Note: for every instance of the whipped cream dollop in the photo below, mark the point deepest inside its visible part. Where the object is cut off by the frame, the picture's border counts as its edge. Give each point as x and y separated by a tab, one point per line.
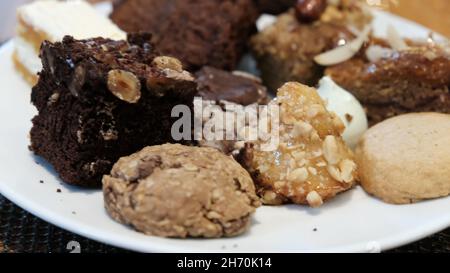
347	107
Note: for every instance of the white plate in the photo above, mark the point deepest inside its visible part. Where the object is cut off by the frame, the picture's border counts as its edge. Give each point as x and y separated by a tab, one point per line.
353	222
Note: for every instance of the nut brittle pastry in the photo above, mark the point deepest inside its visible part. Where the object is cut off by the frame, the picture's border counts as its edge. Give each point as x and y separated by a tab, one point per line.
291	43
312	163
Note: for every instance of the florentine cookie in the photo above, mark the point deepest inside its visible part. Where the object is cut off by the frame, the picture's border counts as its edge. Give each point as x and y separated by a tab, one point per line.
312	163
181	191
406	159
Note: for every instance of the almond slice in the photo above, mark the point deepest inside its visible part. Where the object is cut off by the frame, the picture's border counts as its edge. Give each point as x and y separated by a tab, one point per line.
345	52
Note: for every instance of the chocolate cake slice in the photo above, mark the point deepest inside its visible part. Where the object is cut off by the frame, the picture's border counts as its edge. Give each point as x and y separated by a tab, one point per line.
198	32
237	87
99	100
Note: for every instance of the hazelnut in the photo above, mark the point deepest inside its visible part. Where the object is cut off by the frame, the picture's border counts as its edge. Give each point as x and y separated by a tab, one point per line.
124	85
165	62
308	11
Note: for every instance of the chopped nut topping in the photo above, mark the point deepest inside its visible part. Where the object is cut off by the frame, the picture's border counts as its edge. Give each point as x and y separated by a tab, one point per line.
314	199
124	85
331	150
299	175
311	163
347	168
165	62
301	129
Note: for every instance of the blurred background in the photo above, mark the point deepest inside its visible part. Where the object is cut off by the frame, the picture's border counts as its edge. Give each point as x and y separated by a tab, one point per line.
431	13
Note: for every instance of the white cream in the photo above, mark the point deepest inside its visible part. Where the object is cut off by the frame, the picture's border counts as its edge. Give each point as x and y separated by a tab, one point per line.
76	18
346	106
27	56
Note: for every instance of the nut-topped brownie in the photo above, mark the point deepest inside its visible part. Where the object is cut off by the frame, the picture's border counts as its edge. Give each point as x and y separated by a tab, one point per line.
237	87
198	32
391	82
99	100
313	27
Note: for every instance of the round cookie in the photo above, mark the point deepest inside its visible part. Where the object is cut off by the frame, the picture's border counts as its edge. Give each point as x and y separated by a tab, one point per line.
179	191
407	158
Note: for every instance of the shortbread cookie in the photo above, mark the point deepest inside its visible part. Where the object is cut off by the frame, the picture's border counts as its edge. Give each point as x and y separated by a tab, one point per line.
406	159
180	191
312	163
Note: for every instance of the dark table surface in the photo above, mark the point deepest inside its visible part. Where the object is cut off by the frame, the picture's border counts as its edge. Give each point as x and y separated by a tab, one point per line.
22	232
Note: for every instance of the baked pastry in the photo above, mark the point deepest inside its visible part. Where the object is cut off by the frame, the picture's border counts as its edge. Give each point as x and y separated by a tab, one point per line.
405	159
100	99
237	87
198	32
290	44
311	163
390	82
168	191
51	20
274	6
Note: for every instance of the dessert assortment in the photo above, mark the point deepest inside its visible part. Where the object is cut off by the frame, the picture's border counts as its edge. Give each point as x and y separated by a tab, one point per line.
105	95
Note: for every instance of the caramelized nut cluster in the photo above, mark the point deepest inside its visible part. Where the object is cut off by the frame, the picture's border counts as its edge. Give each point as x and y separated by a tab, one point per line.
312	162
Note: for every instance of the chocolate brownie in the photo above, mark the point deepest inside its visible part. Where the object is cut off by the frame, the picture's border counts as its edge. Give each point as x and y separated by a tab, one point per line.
291	43
238	87
198	32
99	100
416	79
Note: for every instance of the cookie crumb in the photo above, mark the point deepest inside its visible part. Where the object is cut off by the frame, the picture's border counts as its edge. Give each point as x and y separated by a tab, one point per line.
349	118
315	229
58	191
41	181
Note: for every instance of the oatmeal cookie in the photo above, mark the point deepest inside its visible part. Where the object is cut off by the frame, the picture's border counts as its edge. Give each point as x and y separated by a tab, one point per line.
312	163
180	191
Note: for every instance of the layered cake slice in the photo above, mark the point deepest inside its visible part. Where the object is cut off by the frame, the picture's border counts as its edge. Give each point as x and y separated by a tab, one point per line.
99	100
393	77
290	45
51	20
198	32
